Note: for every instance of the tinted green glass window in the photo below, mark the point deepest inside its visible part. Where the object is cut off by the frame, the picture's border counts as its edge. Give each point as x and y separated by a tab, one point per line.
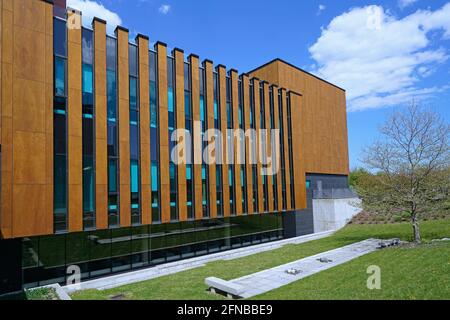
112	95
155	200
112	175
60	77
133	93
59	37
88	184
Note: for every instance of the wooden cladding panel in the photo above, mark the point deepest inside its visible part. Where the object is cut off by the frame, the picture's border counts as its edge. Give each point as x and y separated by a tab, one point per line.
323	117
237	166
101	148
248	146
268	144
258	144
180	120
209	86
222	74
195	99
26	113
276	156
74	126
287	165
7	45
123	98
163	133
144	129
299	169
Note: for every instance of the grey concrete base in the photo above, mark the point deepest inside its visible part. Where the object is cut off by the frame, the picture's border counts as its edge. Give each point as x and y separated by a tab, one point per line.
225	286
333	214
270	279
183	265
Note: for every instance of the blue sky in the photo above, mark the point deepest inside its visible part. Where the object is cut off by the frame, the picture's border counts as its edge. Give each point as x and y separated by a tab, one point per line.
384	53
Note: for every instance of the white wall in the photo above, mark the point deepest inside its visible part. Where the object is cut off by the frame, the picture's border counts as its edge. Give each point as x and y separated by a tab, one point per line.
333	214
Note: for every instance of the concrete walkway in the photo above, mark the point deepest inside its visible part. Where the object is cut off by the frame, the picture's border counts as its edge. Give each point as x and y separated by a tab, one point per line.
183	265
270	279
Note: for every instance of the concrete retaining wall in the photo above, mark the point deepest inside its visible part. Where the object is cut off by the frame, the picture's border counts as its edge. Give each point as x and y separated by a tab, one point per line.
333	214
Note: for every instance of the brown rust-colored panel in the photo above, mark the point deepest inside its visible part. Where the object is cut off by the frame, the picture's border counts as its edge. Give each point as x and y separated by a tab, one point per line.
101	148
74	127
29	54
49	118
268	143
144	129
260	208
163	133
1	44
248	147
237	166
27	219
123	98
29	158
298	166
180	120
5	122
195	99
26	110
323	117
222	74
30	14
209	87
287	165
277	155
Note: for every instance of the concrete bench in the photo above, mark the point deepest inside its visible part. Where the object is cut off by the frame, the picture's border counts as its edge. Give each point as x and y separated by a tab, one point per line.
233	290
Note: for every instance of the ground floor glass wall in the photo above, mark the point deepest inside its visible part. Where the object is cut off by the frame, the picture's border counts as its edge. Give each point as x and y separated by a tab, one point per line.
97	253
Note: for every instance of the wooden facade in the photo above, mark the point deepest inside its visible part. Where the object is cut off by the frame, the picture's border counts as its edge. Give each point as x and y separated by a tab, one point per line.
319	136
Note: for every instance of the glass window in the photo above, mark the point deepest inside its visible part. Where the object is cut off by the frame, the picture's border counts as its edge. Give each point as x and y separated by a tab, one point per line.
231	185
88	79
60	38
112	175
170	93
189	190
204	191
111	53
133	60
88	192
173	192
153	105
60	172
134	181
155	196
133	93
60	77
219	190
255	187
229	107
87	46
112	95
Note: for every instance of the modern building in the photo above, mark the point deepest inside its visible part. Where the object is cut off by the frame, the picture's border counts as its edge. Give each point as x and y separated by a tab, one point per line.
87	177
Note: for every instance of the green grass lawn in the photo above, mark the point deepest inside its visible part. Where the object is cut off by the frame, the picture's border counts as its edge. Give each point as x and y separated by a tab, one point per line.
421	272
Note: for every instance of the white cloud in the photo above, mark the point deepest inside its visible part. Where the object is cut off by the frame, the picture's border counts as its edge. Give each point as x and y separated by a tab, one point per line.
91	9
405	3
378	58
321	8
164	9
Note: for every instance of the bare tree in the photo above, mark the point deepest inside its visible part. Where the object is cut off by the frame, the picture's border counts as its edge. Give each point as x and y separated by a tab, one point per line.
410	164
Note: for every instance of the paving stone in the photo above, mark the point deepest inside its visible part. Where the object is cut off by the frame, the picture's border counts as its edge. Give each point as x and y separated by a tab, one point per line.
267	280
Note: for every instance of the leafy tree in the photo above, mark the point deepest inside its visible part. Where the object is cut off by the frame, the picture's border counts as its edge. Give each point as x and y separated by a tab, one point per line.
410	165
356	176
